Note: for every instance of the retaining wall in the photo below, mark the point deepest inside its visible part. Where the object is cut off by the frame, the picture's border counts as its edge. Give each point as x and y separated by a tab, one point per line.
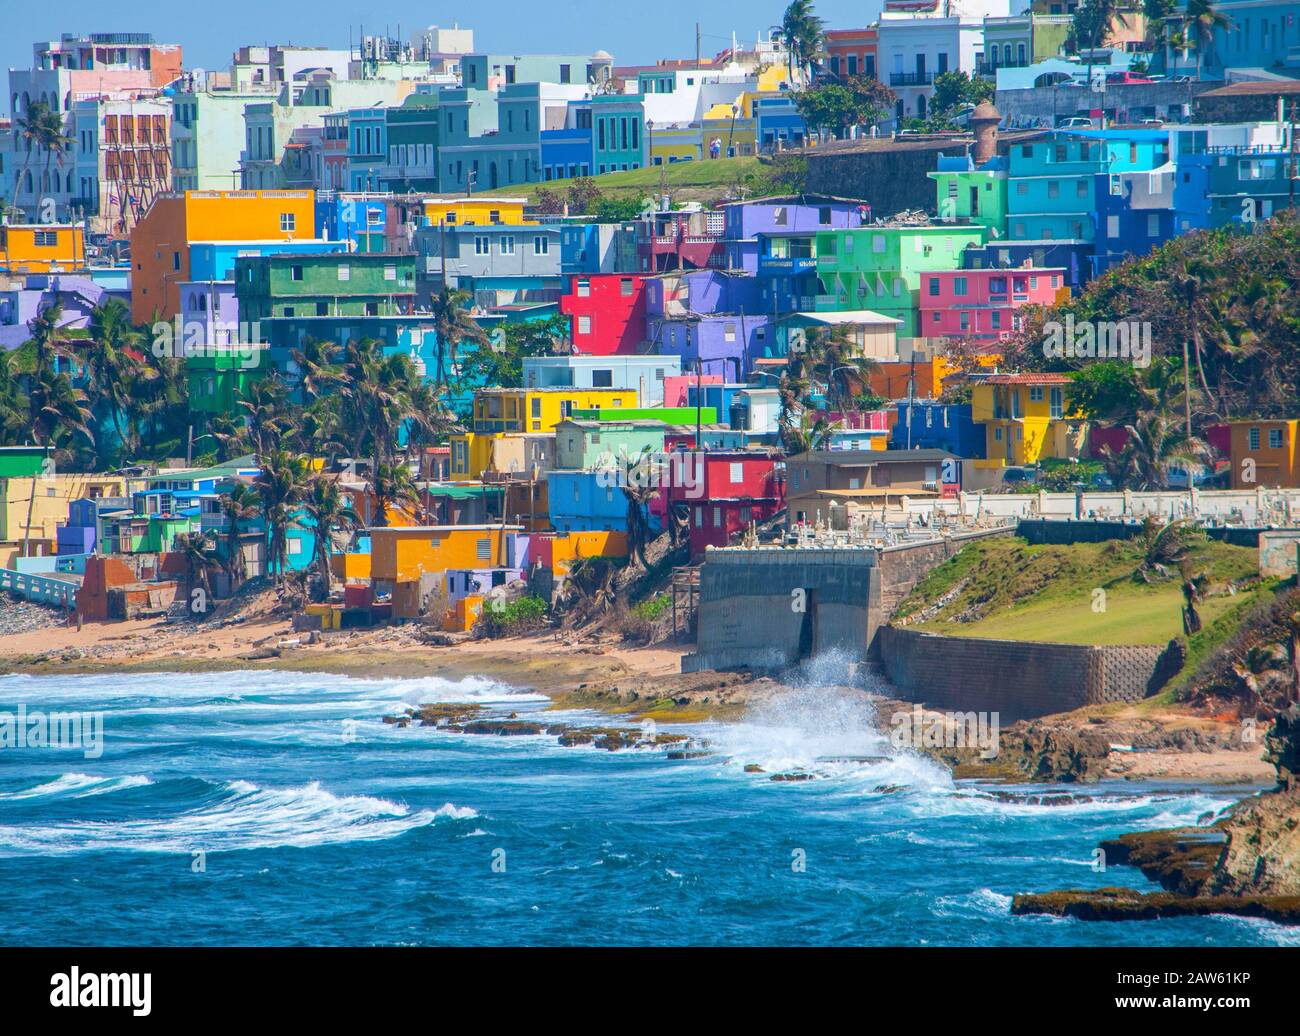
1017	679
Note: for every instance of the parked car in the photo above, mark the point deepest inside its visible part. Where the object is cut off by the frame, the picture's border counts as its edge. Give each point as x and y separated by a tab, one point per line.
1019	475
1124	78
1076	122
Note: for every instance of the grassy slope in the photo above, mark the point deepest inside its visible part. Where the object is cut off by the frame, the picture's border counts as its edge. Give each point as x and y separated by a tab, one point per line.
1010	590
688	181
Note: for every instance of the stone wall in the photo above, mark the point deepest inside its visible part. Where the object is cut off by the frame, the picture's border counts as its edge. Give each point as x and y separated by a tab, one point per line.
1016	679
888	180
906	564
1279	552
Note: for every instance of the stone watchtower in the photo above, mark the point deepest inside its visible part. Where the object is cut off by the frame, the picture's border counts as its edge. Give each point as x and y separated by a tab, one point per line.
984	121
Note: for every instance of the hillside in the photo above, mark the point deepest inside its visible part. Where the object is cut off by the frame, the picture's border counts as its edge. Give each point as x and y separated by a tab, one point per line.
707	182
1007	589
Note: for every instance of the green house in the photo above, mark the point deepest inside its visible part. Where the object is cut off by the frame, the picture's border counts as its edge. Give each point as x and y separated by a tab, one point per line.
21	461
880	268
968	195
217	379
355	284
586	445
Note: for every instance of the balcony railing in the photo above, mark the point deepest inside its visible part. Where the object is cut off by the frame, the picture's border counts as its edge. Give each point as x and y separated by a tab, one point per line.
990	68
911	78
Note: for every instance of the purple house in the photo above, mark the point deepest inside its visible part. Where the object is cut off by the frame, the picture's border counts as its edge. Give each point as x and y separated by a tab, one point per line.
745	220
78	294
708	316
213	306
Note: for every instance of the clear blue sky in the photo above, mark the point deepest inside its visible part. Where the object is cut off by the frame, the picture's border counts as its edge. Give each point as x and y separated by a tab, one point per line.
210	31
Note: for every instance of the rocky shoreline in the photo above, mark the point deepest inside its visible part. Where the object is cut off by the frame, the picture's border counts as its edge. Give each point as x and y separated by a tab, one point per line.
1245	863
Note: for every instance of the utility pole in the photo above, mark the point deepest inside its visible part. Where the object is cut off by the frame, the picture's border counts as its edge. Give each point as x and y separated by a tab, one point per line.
1295	174
697	46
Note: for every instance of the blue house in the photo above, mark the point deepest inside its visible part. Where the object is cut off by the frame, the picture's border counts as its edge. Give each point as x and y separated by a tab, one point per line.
355	219
929	425
791	214
567	153
1135	215
589	501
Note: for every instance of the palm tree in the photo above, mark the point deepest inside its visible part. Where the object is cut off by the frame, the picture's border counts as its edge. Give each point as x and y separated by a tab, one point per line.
1193	593
318	370
454	326
55	409
194	549
329	511
638	497
1164	546
833	359
1203	18
237	506
40	128
1158	443
393	487
280	485
107	363
803	34
263	404
1096	18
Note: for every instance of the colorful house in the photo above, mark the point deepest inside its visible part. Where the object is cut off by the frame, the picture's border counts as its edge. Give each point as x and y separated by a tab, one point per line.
727	491
982	304
1265	453
880	268
590	501
42	247
587	445
160	242
607	313
1026	418
404	554
357	284
929	425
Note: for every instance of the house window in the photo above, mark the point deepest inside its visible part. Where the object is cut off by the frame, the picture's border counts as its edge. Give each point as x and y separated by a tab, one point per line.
507	244
699	517
1057	402
737	473
584	287
47	238
959	285
934	285
584	325
390	273
541	245
1035	393
288	222
482	245
602	379
824	216
717	517
483	550
1275	438
295	273
728	332
345	272
1254	438
625	286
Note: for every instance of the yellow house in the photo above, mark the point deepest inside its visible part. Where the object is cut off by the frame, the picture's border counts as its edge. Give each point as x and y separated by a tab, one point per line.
565	548
42	247
1265	453
541	409
1026	418
405	553
49	506
476	210
676	144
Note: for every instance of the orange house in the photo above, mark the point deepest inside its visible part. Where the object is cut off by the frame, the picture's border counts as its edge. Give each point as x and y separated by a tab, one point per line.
160	242
42	247
1265	453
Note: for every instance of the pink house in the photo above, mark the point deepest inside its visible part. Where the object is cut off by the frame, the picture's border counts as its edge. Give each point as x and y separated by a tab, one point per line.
676	386
982	304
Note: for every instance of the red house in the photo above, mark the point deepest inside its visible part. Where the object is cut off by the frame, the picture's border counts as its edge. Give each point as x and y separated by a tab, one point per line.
982	304
606	313
682	241
723	491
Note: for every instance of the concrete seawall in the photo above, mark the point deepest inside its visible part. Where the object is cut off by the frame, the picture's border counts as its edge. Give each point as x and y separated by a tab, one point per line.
1017	679
751	599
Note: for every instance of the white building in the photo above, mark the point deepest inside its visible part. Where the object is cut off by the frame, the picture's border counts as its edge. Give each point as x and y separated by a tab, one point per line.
644	373
916	41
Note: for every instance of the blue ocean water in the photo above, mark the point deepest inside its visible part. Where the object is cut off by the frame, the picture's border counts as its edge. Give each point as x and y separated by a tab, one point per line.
319	824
